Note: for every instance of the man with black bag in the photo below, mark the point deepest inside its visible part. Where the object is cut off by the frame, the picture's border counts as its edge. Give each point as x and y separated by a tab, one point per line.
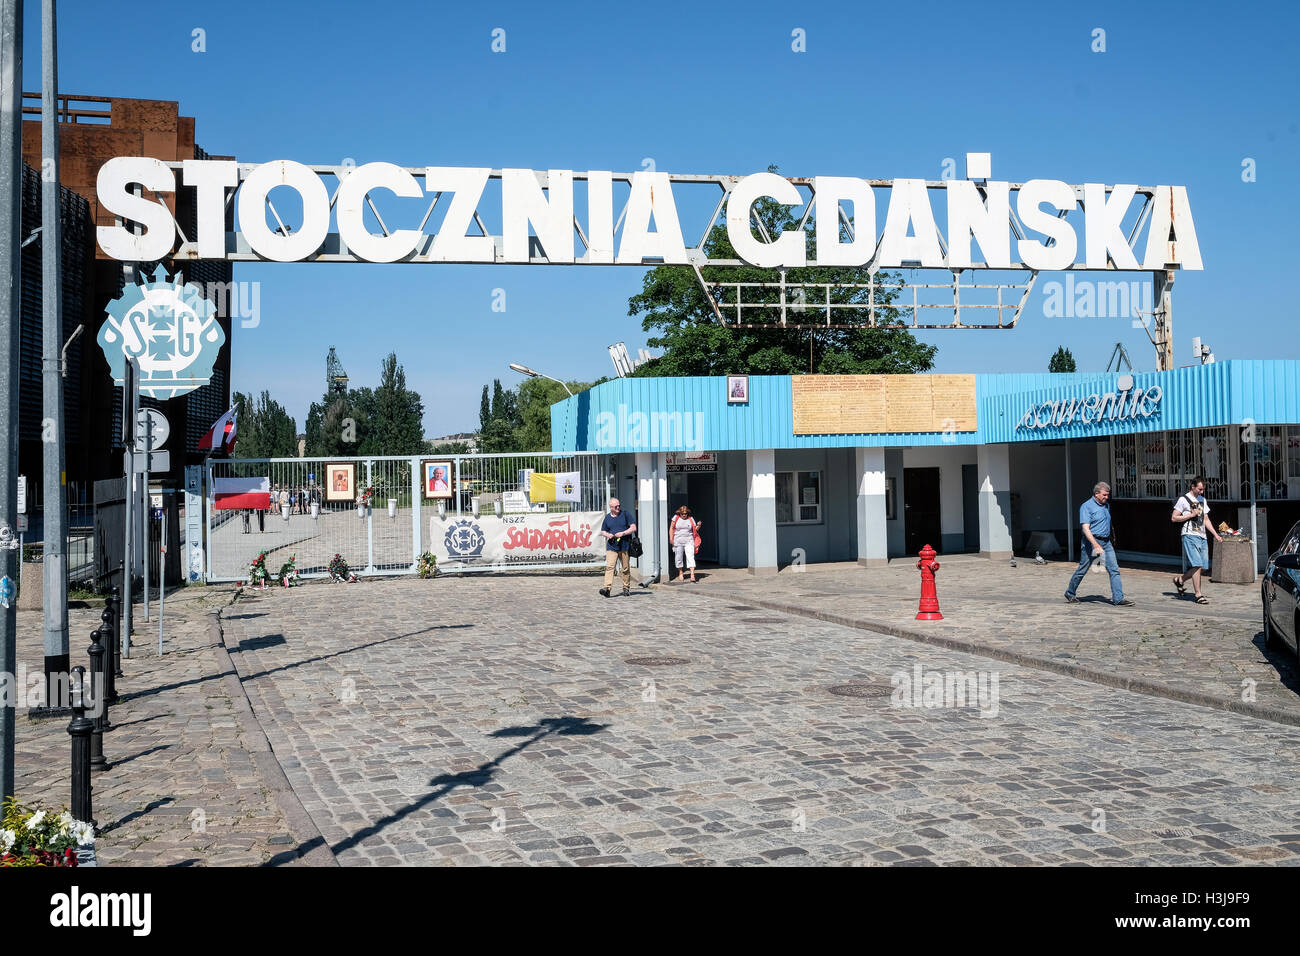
619	532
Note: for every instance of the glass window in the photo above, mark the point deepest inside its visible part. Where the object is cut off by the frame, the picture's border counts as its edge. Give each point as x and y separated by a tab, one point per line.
1293	460
1214	461
798	497
1155	483
784	497
1125	472
810	496
1270	462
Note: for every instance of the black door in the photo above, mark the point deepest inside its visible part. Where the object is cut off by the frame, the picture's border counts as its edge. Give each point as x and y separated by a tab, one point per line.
921	509
704	502
698	490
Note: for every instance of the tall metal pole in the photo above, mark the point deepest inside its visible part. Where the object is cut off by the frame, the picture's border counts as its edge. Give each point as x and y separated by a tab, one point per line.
130	403
1254	524
55	578
162	575
1162	305
145	507
11	186
1069	505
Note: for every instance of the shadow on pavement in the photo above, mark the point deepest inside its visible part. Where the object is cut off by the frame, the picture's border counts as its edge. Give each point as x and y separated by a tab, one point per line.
446	783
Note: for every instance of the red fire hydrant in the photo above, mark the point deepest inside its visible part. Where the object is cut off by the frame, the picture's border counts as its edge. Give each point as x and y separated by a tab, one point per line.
929	609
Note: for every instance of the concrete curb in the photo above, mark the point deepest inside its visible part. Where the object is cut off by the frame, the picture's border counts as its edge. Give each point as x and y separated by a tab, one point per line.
1078	671
302	827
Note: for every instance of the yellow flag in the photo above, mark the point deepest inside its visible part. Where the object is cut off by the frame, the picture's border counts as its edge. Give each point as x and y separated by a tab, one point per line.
541	486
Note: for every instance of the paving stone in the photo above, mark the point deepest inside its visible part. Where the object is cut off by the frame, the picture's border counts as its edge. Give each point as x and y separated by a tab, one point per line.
483	732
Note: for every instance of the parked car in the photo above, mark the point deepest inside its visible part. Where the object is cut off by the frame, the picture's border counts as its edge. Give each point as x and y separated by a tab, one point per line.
1280	592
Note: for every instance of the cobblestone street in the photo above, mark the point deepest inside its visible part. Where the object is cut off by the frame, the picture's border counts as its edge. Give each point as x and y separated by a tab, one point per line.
526	720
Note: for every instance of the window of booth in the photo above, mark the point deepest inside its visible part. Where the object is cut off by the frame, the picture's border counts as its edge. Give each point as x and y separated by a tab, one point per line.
798	497
1276	450
1159	464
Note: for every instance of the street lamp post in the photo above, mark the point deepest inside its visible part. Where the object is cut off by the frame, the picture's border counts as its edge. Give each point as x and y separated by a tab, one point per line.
525	370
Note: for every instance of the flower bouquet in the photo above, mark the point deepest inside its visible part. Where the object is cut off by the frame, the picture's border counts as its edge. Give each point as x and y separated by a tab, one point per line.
339	570
427	566
257	573
289	573
37	838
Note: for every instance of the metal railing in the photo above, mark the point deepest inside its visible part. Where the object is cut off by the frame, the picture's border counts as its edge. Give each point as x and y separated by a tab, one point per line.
313	517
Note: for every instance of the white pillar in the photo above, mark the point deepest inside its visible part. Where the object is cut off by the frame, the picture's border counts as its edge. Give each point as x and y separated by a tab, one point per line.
994	464
873	543
652	514
761	510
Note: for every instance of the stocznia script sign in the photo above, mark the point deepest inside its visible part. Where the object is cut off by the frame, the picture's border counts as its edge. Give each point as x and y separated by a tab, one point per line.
540	222
1124	403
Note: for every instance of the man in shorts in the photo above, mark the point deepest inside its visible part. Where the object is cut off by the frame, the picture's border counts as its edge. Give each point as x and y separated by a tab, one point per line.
1191	511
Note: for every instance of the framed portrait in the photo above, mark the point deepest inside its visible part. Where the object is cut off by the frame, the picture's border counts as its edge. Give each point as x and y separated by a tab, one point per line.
891	505
737	389
341	481
437	478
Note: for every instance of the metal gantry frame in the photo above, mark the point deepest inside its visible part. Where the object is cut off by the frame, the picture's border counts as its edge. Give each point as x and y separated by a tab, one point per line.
779	303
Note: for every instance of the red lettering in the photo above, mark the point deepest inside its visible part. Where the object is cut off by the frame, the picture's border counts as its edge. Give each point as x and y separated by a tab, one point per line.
560	536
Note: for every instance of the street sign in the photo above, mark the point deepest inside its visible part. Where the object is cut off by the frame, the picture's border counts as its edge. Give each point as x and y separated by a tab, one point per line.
152	429
153	461
22	494
22	524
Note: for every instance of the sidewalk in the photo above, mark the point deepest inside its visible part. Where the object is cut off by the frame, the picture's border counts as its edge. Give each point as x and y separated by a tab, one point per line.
1212	655
193	780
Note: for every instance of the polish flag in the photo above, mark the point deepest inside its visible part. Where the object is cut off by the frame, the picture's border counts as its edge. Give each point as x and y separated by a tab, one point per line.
236	493
221	436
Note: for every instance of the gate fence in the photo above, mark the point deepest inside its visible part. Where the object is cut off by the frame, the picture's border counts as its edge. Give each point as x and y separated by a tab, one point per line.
387	538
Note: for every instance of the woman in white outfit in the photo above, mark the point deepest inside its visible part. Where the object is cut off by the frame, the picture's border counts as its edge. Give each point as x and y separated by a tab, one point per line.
685	536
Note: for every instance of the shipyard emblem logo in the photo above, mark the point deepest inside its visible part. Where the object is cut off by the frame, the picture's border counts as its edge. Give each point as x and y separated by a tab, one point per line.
170	329
464	540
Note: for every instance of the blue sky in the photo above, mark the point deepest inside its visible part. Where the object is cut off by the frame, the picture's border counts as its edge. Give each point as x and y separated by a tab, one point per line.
882	91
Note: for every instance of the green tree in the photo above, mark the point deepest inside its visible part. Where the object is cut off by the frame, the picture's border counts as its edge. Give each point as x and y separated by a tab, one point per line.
1062	361
535	398
484	411
447	448
265	429
387	420
394	414
673	304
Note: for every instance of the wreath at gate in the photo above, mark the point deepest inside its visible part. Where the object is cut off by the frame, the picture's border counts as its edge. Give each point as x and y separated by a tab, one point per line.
427	566
257	573
339	570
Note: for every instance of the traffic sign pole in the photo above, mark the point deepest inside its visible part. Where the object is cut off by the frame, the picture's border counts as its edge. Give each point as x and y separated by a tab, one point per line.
130	409
162	575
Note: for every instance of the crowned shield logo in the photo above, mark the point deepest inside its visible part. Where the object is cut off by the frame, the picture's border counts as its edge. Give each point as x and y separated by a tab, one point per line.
170	329
464	540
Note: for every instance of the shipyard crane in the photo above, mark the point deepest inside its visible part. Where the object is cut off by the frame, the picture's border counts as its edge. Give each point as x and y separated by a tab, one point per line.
336	379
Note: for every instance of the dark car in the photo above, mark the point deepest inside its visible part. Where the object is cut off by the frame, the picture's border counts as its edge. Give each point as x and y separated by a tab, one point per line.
1281	594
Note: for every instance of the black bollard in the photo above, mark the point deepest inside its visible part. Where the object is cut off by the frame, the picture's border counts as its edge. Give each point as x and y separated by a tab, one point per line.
80	729
97	697
112	661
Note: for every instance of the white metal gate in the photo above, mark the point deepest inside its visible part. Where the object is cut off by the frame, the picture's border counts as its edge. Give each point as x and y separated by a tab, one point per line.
387	538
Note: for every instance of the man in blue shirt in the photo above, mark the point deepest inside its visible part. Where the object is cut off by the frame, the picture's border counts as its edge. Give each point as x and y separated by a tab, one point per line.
1094	516
617	530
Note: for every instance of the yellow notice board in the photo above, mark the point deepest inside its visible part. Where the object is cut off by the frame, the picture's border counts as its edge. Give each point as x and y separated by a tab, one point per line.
880	404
